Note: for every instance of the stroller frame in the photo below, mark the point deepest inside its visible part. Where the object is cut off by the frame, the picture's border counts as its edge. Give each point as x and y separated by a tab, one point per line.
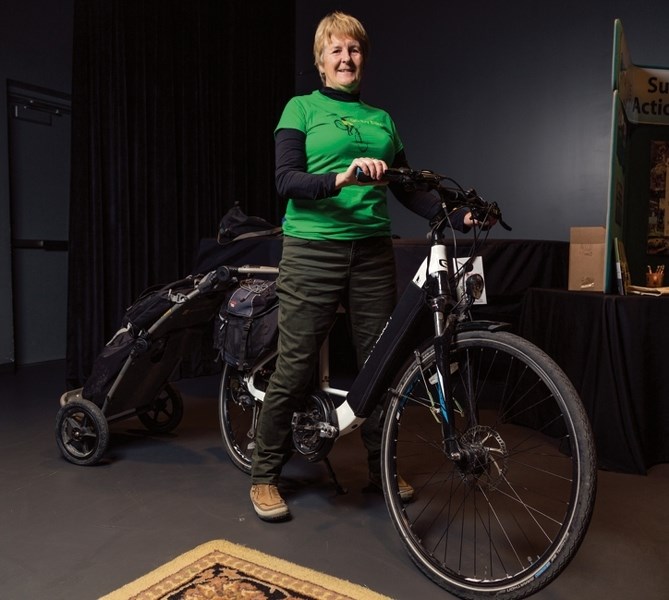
142	386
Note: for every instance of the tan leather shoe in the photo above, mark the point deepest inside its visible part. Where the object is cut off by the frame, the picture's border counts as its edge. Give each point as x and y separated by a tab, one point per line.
268	503
405	489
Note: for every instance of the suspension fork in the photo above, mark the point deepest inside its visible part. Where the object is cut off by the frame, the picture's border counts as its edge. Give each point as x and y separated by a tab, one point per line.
444	329
444	321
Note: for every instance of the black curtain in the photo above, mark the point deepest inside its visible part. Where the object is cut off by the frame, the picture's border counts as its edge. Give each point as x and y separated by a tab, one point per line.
173	111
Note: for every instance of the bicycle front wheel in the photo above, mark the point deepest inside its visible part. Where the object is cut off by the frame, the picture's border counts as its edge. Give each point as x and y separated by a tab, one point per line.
507	517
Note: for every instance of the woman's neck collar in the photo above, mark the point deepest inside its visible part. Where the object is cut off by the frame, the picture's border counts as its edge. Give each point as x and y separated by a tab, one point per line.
340	95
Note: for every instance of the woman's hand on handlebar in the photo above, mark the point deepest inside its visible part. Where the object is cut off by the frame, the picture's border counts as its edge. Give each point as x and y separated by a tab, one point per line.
372	168
470	221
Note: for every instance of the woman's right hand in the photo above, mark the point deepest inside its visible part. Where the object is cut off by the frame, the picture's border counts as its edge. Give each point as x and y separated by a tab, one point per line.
374	168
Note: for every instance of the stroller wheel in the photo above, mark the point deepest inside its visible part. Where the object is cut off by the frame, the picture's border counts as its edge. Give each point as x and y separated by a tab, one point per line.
165	411
82	432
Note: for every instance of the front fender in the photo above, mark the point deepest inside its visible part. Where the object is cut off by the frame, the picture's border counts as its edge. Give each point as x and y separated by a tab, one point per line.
481	326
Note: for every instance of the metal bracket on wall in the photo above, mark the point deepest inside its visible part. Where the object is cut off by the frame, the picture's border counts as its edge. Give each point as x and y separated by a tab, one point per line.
36	104
49	245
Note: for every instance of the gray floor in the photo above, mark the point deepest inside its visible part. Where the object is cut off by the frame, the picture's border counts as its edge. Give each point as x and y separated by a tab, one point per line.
75	532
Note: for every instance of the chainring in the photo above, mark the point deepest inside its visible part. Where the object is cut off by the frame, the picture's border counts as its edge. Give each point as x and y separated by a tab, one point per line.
313	429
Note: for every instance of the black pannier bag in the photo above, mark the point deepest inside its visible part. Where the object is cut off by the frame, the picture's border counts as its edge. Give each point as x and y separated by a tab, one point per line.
248	323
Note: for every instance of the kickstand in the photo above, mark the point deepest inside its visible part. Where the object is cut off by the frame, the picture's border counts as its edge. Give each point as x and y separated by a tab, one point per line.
338	487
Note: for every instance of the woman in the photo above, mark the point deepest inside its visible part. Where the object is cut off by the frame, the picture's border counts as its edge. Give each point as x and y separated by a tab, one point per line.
337	247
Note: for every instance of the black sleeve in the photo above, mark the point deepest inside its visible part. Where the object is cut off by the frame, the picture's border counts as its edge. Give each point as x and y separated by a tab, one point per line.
292	179
425	204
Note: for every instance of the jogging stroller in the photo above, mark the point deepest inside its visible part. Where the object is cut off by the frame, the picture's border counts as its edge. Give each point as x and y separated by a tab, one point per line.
131	376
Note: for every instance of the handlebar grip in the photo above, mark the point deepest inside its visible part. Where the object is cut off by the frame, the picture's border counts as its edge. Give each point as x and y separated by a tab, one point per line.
391	175
362	177
223	274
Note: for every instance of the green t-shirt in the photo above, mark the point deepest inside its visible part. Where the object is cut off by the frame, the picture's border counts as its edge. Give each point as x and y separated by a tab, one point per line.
336	133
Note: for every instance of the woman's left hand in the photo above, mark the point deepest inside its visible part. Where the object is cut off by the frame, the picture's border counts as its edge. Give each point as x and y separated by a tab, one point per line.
470	221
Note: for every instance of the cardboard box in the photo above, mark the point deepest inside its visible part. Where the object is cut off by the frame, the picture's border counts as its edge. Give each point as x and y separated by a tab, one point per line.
587	259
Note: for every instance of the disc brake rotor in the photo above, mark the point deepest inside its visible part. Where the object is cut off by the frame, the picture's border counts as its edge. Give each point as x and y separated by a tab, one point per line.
486	458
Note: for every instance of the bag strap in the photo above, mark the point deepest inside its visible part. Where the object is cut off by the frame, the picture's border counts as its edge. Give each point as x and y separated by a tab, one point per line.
246	329
250	234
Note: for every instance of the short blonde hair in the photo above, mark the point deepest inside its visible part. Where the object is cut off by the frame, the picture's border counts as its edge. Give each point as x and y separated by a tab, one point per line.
339	24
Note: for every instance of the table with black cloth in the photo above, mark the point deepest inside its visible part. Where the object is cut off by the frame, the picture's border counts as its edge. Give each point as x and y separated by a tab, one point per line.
614	349
510	266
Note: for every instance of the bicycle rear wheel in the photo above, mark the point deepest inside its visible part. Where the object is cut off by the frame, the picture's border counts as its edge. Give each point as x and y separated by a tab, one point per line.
508	518
239	401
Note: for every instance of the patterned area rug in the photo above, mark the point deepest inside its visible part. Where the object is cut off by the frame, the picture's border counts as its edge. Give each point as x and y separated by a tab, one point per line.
220	570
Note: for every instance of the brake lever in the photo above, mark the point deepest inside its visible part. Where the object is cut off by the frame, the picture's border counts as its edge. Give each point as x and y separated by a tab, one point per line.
497	213
485	210
504	225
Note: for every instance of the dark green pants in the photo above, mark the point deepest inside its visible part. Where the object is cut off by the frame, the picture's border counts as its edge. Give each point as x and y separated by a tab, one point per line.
315	277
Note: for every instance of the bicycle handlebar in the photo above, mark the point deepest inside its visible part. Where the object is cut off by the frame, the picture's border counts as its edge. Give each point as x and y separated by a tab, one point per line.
226	274
453	196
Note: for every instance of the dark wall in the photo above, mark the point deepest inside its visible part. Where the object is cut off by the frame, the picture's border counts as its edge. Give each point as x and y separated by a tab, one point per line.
35	48
512	98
